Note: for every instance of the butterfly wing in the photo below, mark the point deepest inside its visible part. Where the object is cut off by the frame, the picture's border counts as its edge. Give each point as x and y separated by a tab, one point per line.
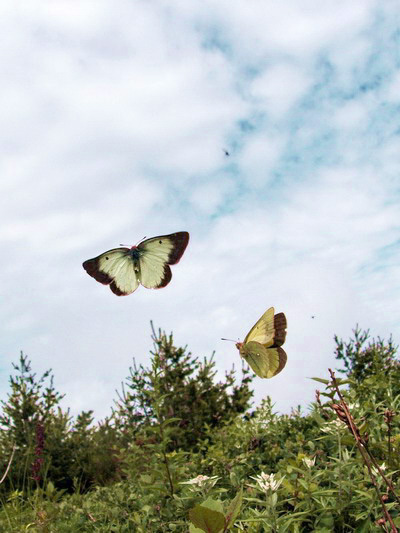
280	325
123	269
263	330
155	256
269	330
115	268
262	346
265	362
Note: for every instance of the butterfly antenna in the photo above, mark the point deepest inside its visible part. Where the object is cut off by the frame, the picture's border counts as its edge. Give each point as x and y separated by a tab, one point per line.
141	240
128	245
231	340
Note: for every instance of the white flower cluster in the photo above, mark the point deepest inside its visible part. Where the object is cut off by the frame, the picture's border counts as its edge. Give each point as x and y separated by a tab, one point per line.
309	462
202	481
267	482
333	426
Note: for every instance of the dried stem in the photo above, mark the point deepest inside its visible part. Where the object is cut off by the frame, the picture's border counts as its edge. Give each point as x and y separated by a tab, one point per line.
8	466
389	415
343	412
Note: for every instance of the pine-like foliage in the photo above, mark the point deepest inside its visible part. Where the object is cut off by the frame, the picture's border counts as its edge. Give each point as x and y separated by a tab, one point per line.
188	390
368	363
44	441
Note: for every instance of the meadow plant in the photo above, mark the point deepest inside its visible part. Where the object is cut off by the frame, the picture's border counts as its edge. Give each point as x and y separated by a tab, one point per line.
208	463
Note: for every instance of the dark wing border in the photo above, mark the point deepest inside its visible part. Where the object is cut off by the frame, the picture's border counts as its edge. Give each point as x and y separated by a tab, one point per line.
92	268
180	240
282	360
280	325
166	279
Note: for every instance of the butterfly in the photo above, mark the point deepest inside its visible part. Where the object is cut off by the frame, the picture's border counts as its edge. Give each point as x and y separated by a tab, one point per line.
261	348
124	269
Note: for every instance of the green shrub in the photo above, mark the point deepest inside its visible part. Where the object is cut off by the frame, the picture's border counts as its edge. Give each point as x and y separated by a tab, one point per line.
238	471
189	392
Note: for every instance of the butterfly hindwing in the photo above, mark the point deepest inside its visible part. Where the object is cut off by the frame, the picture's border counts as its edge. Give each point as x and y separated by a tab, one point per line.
123	269
266	362
256	357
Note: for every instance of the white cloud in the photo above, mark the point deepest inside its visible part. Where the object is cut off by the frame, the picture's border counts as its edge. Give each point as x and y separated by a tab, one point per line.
279	88
351	115
258	158
113	128
393	90
208	197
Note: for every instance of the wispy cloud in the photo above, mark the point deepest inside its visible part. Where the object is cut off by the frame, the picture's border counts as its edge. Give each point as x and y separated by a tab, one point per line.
114	121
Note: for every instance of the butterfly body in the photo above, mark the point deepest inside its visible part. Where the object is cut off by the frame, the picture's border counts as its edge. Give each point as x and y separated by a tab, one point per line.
135	254
261	348
124	269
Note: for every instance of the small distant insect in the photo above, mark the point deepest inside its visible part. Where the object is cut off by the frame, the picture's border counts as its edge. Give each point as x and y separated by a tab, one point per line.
226	152
312	316
123	269
261	348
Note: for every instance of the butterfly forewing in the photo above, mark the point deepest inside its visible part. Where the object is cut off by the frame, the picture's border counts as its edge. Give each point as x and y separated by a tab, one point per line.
263	330
155	256
177	243
280	325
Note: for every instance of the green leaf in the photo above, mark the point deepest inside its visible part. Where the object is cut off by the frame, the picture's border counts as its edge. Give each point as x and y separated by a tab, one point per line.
364	526
171	421
343	381
233	509
206	519
214	505
368	495
194	529
328	394
320	380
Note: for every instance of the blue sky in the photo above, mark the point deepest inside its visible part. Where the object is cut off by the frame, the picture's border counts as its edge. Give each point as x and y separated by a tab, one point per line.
114	121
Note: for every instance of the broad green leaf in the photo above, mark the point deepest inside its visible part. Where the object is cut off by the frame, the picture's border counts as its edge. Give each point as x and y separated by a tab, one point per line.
214	505
234	508
206	519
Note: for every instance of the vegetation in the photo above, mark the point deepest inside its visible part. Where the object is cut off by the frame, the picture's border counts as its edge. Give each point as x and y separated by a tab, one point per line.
182	453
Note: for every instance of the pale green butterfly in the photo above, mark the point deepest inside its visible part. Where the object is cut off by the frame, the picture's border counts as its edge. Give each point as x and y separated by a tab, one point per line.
261	348
123	269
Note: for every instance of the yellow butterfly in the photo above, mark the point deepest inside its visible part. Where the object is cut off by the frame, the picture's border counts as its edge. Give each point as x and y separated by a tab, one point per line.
123	269
261	348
